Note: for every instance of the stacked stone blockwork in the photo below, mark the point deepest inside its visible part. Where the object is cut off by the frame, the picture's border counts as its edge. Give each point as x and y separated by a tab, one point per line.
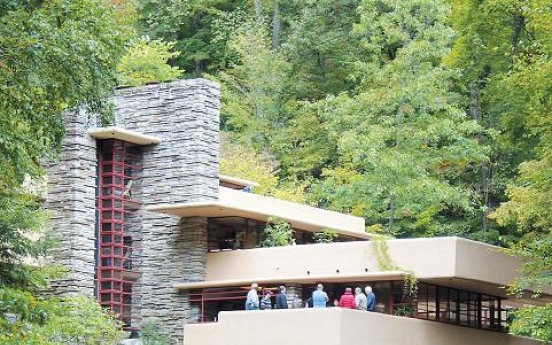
182	168
72	199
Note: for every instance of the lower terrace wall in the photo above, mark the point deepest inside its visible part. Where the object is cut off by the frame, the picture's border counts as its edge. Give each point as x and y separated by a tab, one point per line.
336	326
456	258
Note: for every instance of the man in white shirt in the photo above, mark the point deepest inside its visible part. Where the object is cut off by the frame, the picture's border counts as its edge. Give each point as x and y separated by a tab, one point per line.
252	300
360	299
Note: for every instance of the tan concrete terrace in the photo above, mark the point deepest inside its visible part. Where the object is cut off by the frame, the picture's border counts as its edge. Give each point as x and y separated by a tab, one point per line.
335	326
447	261
233	203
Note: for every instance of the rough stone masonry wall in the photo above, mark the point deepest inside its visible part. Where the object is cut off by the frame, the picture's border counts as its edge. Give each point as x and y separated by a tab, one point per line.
182	168
71	200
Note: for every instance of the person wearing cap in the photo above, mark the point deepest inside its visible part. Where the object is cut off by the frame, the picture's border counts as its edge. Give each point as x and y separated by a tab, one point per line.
281	299
266	301
252	300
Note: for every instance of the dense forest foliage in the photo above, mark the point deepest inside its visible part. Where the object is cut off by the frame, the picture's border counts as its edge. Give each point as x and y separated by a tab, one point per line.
54	56
420	116
425	117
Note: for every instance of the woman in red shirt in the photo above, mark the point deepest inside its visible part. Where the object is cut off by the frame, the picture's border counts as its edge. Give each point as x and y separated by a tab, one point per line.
347	300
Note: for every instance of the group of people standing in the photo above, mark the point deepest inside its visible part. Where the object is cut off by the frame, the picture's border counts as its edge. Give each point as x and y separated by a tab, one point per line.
358	301
318	299
252	301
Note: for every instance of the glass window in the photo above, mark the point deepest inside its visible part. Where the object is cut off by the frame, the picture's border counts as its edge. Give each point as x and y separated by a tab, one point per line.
107	262
423	301
106	215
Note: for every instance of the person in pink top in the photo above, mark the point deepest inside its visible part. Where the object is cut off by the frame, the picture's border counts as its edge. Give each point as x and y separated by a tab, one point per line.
347	300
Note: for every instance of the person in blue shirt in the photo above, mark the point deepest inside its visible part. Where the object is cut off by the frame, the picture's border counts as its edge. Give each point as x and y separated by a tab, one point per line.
319	297
370	299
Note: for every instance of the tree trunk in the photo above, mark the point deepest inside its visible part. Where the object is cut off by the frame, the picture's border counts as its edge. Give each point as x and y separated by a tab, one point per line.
475	109
392	208
198	65
259	10
519	25
276	27
474	104
486	185
198	68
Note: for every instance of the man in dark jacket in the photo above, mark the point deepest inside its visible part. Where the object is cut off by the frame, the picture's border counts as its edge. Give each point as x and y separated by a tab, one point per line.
370	299
281	299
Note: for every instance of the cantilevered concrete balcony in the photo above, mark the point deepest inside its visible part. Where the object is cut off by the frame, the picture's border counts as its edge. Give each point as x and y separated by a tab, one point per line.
335	326
236	183
446	261
124	135
233	203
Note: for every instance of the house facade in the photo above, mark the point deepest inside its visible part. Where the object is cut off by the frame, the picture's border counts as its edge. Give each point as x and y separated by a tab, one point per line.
147	225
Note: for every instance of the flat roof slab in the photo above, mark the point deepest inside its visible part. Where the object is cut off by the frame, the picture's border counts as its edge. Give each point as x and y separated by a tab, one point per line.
123	134
233	203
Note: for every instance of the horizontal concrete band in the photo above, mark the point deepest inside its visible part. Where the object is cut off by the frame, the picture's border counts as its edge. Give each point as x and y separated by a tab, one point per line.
336	326
237	181
306	279
232	203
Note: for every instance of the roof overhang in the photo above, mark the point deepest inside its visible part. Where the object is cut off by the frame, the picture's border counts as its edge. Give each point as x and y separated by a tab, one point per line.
124	135
233	203
238	182
306	279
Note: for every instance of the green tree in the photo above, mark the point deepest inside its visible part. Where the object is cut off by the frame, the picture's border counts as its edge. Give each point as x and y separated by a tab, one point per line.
326	236
254	89
146	61
192	24
55	56
240	161
304	99
525	92
402	137
261	108
492	37
277	233
152	333
20	225
529	209
320	47
28	320
534	322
